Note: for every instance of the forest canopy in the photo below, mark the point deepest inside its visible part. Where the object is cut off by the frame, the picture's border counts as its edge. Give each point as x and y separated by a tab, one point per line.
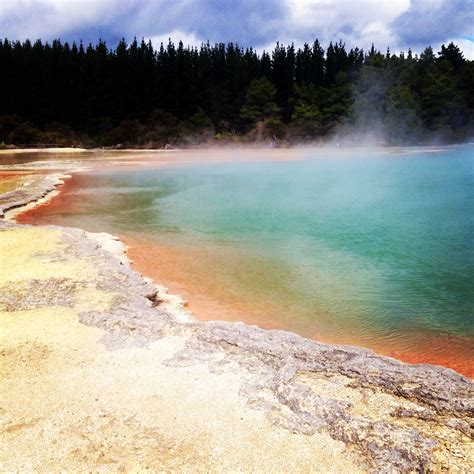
71	94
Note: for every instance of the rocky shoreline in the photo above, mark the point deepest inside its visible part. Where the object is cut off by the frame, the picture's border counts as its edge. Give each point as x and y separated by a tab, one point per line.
32	193
380	414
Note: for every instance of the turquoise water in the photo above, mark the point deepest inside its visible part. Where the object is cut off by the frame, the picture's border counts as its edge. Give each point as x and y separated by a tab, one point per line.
371	245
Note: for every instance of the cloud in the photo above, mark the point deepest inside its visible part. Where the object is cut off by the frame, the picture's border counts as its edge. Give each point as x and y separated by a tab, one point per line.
434	21
259	23
244	21
72	19
188	39
366	20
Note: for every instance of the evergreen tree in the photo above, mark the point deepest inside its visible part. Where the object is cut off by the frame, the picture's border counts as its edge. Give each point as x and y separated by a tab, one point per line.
136	94
317	64
259	101
453	55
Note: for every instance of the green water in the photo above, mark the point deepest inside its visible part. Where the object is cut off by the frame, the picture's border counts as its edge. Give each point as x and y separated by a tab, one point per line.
365	243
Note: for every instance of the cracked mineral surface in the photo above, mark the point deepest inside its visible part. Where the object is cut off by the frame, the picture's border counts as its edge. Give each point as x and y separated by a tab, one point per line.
101	370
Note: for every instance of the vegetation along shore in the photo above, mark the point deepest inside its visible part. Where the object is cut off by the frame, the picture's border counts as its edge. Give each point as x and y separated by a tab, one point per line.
68	94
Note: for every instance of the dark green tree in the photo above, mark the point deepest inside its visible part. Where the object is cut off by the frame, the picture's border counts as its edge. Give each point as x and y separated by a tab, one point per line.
58	91
260	101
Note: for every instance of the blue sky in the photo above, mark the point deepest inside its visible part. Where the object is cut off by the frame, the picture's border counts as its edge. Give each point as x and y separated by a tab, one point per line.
260	23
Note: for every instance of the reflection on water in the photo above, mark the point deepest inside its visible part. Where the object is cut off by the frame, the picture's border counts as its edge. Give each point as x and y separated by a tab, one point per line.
366	248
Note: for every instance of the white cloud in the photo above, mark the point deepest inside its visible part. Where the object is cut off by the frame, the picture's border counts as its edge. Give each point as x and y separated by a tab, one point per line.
357	23
20	19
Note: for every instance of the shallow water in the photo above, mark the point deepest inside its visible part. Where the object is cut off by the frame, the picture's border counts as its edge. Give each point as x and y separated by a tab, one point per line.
364	247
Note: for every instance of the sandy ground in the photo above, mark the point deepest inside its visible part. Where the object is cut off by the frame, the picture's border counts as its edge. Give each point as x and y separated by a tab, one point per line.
9	182
67	402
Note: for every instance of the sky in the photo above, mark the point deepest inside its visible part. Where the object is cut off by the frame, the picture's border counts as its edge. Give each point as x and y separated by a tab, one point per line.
398	24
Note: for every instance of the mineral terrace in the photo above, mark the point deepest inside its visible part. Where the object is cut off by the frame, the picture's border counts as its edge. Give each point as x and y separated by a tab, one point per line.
102	370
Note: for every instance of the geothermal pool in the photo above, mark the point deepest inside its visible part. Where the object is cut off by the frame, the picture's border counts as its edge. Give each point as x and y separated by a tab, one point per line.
366	247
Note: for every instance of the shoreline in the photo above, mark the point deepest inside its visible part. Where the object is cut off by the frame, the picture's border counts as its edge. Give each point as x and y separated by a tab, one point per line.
306	405
6	151
178	272
24	198
177	268
46	190
234	147
49	187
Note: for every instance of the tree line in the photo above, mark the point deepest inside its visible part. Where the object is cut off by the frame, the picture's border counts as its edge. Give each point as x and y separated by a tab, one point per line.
136	95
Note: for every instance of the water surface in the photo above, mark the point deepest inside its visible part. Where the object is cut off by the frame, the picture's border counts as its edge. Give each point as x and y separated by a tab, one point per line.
372	248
